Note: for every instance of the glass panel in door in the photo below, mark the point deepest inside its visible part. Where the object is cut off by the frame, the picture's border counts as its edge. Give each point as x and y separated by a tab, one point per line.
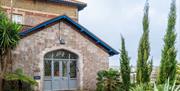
72	74
56	69
56	76
64	69
64	74
72	69
47	74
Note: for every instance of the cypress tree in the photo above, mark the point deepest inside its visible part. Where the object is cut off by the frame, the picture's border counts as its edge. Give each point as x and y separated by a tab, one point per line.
168	56
124	66
144	67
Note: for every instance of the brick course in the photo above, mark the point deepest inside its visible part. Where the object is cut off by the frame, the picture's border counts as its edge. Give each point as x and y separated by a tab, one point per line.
35	13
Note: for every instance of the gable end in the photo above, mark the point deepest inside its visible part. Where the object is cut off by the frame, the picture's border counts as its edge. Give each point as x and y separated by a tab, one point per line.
80	28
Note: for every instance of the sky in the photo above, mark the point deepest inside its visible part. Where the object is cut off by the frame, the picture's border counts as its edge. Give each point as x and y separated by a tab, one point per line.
108	19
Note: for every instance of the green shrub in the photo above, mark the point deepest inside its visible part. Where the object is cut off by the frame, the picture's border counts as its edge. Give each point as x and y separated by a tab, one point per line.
161	87
142	87
108	80
17	81
15	85
167	87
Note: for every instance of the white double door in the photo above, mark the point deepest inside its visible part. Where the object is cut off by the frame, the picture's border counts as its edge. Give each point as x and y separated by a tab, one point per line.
60	75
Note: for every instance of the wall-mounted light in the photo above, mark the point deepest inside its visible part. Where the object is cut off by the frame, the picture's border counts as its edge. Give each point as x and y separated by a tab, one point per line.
61	41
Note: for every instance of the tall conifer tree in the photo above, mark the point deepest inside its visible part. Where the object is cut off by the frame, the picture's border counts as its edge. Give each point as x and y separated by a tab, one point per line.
168	56
144	67
124	66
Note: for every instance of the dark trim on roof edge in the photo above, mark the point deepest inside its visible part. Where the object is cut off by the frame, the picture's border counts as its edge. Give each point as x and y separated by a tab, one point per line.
80	5
81	29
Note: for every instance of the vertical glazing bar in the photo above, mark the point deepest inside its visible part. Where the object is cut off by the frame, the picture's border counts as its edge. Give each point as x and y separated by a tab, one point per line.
52	71
68	65
60	74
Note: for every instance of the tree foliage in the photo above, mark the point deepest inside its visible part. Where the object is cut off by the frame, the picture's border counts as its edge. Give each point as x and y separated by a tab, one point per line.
144	66
124	66
178	73
9	37
168	56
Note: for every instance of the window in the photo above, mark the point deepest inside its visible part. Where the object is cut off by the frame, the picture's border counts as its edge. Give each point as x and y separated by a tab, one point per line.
60	63
17	18
61	54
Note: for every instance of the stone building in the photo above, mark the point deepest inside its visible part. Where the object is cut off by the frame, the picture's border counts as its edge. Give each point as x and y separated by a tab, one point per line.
54	48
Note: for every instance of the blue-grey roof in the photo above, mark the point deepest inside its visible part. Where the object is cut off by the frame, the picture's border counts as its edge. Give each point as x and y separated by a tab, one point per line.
80	28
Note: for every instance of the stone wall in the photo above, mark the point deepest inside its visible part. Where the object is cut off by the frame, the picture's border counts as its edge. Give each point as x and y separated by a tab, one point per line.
29	53
35	13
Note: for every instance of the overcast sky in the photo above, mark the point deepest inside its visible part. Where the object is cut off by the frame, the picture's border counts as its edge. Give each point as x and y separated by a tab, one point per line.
109	18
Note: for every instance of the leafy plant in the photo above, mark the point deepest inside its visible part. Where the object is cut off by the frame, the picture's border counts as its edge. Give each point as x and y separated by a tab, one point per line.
167	87
142	87
139	87
19	75
18	80
161	87
108	80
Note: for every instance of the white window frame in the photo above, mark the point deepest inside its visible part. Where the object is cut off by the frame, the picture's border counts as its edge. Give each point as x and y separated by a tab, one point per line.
18	18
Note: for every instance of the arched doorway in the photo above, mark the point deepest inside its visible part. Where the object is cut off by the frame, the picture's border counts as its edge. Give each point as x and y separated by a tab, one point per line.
60	70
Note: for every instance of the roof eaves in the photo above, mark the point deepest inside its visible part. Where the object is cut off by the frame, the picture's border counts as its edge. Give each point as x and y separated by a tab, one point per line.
109	49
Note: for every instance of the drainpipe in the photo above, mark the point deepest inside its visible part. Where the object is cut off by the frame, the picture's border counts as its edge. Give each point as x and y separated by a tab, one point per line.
11	12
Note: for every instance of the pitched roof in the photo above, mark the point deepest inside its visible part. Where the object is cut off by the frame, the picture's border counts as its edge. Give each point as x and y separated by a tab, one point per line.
80	5
80	29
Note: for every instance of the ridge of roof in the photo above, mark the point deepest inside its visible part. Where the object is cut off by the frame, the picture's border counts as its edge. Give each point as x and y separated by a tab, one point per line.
81	29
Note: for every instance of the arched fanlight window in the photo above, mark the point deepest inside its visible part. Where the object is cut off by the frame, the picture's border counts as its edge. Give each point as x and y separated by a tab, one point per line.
60	54
60	57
